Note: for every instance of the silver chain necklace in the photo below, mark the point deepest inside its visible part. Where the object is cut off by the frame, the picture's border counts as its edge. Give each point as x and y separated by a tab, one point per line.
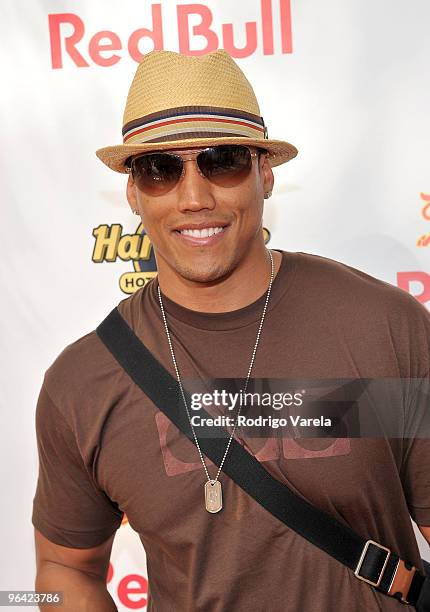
213	491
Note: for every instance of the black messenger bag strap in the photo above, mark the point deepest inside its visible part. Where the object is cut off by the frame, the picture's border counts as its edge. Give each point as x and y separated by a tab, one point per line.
369	560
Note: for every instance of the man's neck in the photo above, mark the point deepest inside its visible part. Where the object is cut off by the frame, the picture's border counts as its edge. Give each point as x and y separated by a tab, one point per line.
243	286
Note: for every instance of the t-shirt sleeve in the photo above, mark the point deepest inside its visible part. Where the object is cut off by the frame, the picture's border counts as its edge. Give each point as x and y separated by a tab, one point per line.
68	507
416	456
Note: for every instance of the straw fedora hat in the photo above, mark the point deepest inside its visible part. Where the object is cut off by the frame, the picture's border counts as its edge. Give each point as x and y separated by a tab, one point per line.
181	101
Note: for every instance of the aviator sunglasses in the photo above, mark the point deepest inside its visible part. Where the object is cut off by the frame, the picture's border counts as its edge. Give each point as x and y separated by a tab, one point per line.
223	165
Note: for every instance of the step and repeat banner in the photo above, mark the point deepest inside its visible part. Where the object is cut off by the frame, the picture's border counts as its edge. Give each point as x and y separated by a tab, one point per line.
346	82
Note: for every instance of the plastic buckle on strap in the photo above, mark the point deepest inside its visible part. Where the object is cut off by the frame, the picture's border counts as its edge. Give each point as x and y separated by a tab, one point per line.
361	560
402	580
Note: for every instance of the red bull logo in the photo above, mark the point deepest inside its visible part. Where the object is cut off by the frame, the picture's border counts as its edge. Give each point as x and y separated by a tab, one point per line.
71	41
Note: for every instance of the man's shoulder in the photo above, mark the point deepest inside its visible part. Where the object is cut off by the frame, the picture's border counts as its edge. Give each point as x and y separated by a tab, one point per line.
370	310
74	367
85	363
335	280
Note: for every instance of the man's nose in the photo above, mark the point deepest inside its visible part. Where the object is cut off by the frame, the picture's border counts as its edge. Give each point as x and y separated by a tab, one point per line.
194	190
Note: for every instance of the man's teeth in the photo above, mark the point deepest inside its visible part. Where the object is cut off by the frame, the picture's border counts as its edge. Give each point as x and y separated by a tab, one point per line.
202	233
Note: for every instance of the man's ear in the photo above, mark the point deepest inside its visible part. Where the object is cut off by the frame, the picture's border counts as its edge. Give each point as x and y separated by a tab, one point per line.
131	193
267	174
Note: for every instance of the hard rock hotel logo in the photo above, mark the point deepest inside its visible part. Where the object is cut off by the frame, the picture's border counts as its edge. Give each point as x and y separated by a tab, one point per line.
111	244
406	279
424	239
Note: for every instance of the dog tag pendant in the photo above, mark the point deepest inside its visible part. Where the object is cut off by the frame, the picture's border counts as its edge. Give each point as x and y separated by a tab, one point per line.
213	496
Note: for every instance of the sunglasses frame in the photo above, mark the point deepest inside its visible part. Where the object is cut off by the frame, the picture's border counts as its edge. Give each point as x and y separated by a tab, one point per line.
191	156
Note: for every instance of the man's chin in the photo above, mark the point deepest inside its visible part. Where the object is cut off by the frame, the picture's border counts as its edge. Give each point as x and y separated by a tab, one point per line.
202	273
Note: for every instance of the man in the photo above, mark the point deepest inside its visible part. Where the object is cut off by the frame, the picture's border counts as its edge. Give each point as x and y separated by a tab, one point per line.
199	162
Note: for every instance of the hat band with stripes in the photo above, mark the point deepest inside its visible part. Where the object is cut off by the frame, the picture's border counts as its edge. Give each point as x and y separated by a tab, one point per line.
194	122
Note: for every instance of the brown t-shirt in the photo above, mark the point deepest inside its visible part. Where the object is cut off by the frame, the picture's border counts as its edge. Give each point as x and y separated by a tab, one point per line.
105	449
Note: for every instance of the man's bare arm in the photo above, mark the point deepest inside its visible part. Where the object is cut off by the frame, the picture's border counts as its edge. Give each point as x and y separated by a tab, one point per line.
425	530
80	573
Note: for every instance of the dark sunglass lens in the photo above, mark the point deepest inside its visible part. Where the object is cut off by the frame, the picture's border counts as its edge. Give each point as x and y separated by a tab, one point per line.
156	173
225	165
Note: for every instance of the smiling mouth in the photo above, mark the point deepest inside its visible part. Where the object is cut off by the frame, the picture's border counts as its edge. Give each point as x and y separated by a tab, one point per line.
206	232
205	235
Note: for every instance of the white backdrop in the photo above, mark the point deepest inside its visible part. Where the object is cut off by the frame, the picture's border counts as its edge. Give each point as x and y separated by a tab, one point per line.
346	82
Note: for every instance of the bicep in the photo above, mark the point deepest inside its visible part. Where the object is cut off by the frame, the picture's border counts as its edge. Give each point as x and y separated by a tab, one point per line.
414	472
425	530
94	560
415	479
69	508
